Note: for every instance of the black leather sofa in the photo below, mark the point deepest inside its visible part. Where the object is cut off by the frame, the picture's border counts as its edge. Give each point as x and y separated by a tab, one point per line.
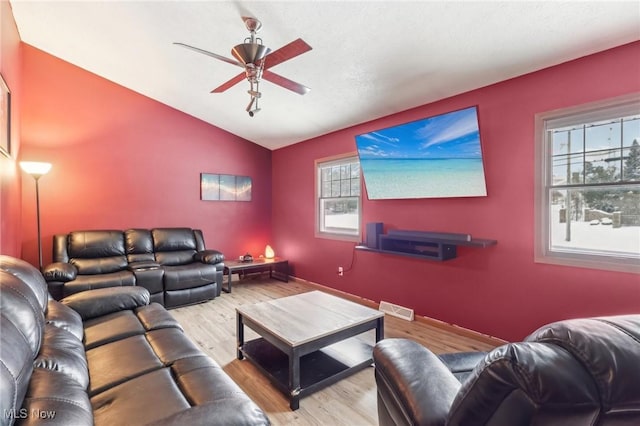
104	357
172	263
571	373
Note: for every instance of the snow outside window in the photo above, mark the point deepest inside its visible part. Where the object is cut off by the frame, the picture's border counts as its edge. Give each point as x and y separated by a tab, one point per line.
588	198
338	198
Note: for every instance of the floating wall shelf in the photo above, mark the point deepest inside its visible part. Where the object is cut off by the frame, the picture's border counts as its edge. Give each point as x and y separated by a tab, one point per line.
423	245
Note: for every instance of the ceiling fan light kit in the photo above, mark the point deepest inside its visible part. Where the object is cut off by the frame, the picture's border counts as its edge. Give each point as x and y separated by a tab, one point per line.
256	59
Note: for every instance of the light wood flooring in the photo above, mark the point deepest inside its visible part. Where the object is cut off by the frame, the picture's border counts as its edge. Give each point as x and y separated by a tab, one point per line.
351	401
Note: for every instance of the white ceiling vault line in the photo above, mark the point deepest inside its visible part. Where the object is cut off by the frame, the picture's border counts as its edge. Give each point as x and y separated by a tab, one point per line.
369	59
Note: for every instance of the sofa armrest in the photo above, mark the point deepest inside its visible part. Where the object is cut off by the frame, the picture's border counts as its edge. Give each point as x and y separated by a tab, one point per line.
60	271
209	256
94	303
414	386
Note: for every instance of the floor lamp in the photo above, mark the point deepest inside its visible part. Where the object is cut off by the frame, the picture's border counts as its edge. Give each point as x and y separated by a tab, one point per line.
37	170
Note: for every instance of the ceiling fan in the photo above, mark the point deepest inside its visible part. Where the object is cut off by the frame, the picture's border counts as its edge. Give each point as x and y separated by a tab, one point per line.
256	59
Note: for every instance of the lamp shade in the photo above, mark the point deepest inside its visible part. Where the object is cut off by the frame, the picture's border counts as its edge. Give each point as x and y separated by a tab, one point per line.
269	253
35	168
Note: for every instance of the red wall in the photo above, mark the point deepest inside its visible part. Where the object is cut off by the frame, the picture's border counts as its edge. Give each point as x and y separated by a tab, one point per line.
10	195
121	160
499	290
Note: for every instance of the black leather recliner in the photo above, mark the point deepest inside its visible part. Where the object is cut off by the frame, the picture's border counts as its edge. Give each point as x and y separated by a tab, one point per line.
172	263
575	372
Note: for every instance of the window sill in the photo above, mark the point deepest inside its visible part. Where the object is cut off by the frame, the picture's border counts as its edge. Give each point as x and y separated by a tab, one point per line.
338	237
628	265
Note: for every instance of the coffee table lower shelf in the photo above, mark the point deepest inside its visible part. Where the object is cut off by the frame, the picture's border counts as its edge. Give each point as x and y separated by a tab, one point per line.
317	369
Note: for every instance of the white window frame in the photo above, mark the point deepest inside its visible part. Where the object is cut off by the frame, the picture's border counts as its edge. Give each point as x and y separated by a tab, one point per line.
602	110
335	233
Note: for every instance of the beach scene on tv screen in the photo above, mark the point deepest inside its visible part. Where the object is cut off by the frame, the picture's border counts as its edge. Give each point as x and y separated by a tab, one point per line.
434	157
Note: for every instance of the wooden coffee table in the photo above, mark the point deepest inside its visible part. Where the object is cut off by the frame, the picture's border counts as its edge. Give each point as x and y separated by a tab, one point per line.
278	268
308	341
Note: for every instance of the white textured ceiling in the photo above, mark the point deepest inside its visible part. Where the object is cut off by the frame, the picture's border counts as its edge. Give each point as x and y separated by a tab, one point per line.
369	59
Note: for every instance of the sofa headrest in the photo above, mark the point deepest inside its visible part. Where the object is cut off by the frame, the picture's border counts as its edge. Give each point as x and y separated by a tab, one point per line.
173	239
95	244
139	245
16	367
20	306
29	275
519	381
607	347
138	241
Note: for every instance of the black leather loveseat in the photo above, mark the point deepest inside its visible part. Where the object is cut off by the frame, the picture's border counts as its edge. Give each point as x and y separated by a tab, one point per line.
571	373
172	263
104	357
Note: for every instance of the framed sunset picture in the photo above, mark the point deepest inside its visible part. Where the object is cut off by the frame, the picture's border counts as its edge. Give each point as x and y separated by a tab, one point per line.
219	187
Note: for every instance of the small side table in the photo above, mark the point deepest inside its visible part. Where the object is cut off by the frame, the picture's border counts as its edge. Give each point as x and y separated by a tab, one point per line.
278	269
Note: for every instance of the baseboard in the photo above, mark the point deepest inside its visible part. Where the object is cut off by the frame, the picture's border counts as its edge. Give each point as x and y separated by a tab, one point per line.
453	328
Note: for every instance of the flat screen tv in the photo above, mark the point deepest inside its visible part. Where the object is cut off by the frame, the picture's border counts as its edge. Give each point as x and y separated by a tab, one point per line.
435	157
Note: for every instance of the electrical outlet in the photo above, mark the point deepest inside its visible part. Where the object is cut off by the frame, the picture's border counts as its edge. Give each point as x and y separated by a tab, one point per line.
340	271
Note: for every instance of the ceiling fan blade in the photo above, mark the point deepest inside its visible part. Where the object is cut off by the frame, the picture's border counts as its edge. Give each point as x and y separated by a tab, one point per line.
286	52
285	82
235	80
213	55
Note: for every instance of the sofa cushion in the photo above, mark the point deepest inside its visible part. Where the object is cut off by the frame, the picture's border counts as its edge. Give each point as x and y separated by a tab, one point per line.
109	328
106	366
173	258
122	324
171	344
195	390
175	298
214	395
62	351
155	316
198	374
95	244
126	401
188	276
97	252
174	246
103	265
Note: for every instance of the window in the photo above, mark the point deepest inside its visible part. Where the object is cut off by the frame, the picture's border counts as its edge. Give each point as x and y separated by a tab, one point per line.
588	198
338	198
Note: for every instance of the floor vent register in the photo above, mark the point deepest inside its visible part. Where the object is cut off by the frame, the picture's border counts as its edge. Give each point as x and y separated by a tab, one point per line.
396	310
